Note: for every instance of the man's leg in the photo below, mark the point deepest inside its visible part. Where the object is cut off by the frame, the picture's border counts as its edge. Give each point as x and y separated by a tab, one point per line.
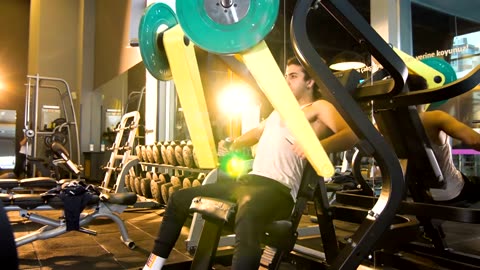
176	214
259	203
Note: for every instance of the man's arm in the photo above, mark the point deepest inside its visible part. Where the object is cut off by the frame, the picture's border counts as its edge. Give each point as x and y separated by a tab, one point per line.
453	128
23	141
343	137
249	138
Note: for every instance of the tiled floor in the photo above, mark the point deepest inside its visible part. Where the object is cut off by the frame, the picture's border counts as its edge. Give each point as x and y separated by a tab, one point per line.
75	250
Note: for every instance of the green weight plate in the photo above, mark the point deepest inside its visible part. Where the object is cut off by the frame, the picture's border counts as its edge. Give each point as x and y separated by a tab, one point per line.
157	18
446	69
226	26
442	66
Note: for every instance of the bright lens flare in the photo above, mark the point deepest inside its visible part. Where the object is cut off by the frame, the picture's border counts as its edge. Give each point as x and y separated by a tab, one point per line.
235	99
235	164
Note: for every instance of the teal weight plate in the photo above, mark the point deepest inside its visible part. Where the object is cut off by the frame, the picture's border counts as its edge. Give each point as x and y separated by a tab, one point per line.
446	69
227	26
443	67
158	18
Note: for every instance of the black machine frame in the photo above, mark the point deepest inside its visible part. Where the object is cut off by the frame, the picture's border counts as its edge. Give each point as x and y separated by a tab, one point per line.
399	122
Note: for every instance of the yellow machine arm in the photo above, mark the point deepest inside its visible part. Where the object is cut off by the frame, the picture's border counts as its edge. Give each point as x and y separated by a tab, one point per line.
184	67
262	65
421	69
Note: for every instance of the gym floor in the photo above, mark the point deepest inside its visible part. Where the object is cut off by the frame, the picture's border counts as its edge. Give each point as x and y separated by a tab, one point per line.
75	250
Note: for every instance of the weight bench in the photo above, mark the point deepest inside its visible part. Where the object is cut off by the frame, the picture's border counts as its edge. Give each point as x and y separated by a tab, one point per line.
28	184
80	204
103	205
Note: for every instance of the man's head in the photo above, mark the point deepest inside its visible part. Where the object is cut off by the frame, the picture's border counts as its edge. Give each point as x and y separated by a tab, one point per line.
416	82
299	80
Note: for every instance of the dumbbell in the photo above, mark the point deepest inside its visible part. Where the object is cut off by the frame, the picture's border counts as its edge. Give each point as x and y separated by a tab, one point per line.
187	154
145	187
179	153
199	180
170	151
137	185
155	187
157	158
127	182
186	182
144	153
163	151
138	152
149	151
165	189
195	159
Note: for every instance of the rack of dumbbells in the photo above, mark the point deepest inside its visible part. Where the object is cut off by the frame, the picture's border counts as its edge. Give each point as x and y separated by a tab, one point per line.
121	161
165	168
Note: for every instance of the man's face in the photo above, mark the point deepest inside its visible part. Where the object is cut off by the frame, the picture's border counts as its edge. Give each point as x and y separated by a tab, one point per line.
296	80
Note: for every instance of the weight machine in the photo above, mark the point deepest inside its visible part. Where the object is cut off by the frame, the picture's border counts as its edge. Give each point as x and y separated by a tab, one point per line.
49	117
171	47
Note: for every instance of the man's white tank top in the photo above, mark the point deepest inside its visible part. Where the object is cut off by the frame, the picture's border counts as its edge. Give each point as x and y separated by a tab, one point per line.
275	157
453	178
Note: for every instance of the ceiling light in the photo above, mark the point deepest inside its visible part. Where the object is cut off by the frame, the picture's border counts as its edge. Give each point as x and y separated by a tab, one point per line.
347	60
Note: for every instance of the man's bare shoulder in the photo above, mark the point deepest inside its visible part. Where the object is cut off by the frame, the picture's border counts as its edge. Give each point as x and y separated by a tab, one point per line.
322	104
435	115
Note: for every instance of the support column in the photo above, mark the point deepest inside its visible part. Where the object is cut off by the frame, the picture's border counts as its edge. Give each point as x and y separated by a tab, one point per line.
392	19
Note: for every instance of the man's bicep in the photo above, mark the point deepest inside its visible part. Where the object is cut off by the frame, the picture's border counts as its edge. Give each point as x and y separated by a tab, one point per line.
332	118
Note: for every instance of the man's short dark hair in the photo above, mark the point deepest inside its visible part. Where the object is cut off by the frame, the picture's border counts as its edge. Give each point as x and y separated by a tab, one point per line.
416	82
294	61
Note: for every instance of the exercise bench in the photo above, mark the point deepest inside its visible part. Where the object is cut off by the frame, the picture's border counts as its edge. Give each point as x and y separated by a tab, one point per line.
81	204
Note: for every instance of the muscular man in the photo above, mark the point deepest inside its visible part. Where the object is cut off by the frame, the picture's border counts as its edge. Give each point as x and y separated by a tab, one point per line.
267	193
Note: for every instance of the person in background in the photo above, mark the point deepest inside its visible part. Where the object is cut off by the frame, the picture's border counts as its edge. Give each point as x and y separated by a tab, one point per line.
267	192
439	127
20	162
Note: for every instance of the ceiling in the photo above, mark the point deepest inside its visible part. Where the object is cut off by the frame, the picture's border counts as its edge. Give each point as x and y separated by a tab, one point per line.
466	9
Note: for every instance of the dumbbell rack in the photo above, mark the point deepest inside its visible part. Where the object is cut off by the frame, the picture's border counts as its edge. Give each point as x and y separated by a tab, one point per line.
121	160
179	171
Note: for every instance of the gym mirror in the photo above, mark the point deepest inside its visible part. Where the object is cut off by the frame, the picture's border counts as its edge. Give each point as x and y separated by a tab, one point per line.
7	138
